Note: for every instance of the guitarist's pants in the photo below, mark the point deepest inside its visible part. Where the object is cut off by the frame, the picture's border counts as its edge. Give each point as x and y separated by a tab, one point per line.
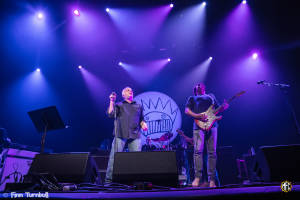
210	137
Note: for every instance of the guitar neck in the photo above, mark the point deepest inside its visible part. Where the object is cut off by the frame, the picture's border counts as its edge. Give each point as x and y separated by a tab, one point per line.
229	100
220	107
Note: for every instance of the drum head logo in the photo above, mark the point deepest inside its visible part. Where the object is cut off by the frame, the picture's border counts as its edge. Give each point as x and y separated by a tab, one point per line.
162	116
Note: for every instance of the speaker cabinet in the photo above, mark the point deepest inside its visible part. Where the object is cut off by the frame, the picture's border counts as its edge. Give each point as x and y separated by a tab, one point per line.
67	167
226	166
159	168
278	163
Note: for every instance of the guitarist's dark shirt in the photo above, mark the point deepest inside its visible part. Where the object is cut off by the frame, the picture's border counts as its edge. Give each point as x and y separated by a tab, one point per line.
128	119
201	103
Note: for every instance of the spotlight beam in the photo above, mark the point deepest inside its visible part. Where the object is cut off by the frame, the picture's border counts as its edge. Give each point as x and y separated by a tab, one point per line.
40	15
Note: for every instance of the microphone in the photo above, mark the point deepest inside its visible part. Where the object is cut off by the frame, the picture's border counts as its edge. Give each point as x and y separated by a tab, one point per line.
260	82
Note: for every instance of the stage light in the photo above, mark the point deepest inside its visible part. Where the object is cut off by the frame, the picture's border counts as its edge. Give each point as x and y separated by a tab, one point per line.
210	58
76	12
171	5
244	2
40	15
120	63
204	3
107	9
254	56
169	59
79	67
38	69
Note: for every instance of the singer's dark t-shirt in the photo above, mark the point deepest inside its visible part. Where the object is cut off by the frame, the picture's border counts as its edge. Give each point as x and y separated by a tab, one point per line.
201	103
128	119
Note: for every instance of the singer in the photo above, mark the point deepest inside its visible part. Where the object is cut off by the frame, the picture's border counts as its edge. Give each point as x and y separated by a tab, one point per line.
129	120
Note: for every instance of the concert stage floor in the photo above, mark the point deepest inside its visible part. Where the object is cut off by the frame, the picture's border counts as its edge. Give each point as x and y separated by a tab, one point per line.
235	192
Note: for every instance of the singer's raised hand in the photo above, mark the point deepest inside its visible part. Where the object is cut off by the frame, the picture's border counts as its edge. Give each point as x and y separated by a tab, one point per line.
113	96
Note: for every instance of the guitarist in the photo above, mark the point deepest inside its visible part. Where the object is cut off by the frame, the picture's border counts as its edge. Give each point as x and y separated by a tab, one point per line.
195	105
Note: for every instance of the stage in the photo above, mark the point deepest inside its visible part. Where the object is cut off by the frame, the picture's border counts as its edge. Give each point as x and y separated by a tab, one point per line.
149	95
229	192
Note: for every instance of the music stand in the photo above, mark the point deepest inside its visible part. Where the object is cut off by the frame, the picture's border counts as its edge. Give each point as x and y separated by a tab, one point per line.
46	119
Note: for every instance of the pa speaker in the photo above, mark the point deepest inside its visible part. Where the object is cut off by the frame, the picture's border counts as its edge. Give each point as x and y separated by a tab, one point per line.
159	168
226	166
67	167
278	163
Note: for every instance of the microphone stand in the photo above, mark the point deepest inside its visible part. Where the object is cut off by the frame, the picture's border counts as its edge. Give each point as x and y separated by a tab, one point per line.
115	128
284	88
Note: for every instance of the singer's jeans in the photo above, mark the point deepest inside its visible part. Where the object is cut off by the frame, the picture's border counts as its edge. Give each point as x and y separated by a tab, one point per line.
210	137
118	145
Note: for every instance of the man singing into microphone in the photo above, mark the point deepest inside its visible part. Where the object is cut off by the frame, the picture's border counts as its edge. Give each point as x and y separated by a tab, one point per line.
129	119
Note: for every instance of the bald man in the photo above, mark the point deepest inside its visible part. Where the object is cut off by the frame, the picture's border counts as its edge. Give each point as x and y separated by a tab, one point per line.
129	120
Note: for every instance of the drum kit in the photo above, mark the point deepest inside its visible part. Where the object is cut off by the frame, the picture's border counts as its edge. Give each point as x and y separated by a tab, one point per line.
163	143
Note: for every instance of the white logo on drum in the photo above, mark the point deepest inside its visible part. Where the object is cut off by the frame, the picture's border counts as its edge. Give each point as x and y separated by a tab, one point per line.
162	115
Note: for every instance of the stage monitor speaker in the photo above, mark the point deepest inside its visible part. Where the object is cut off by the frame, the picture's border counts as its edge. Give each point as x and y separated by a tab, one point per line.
67	167
159	168
278	163
226	166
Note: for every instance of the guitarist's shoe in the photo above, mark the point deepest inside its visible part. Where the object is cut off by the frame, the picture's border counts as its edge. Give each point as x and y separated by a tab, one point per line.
195	182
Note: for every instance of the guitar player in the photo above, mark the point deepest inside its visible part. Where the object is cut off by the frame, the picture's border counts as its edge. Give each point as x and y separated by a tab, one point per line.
195	107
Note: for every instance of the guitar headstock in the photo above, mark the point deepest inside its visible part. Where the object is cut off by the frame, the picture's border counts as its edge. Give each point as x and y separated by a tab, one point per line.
236	95
240	93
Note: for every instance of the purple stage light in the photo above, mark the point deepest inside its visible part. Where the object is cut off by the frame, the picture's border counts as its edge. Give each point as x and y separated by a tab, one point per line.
169	59
96	87
40	15
120	63
79	67
210	58
244	2
107	9
143	72
254	56
76	12
171	5
203	3
38	69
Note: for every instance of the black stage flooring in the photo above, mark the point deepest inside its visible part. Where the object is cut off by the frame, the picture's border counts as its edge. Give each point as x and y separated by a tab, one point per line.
234	192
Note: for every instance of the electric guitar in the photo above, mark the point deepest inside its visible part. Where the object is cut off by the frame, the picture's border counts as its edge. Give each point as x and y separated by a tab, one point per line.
211	114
